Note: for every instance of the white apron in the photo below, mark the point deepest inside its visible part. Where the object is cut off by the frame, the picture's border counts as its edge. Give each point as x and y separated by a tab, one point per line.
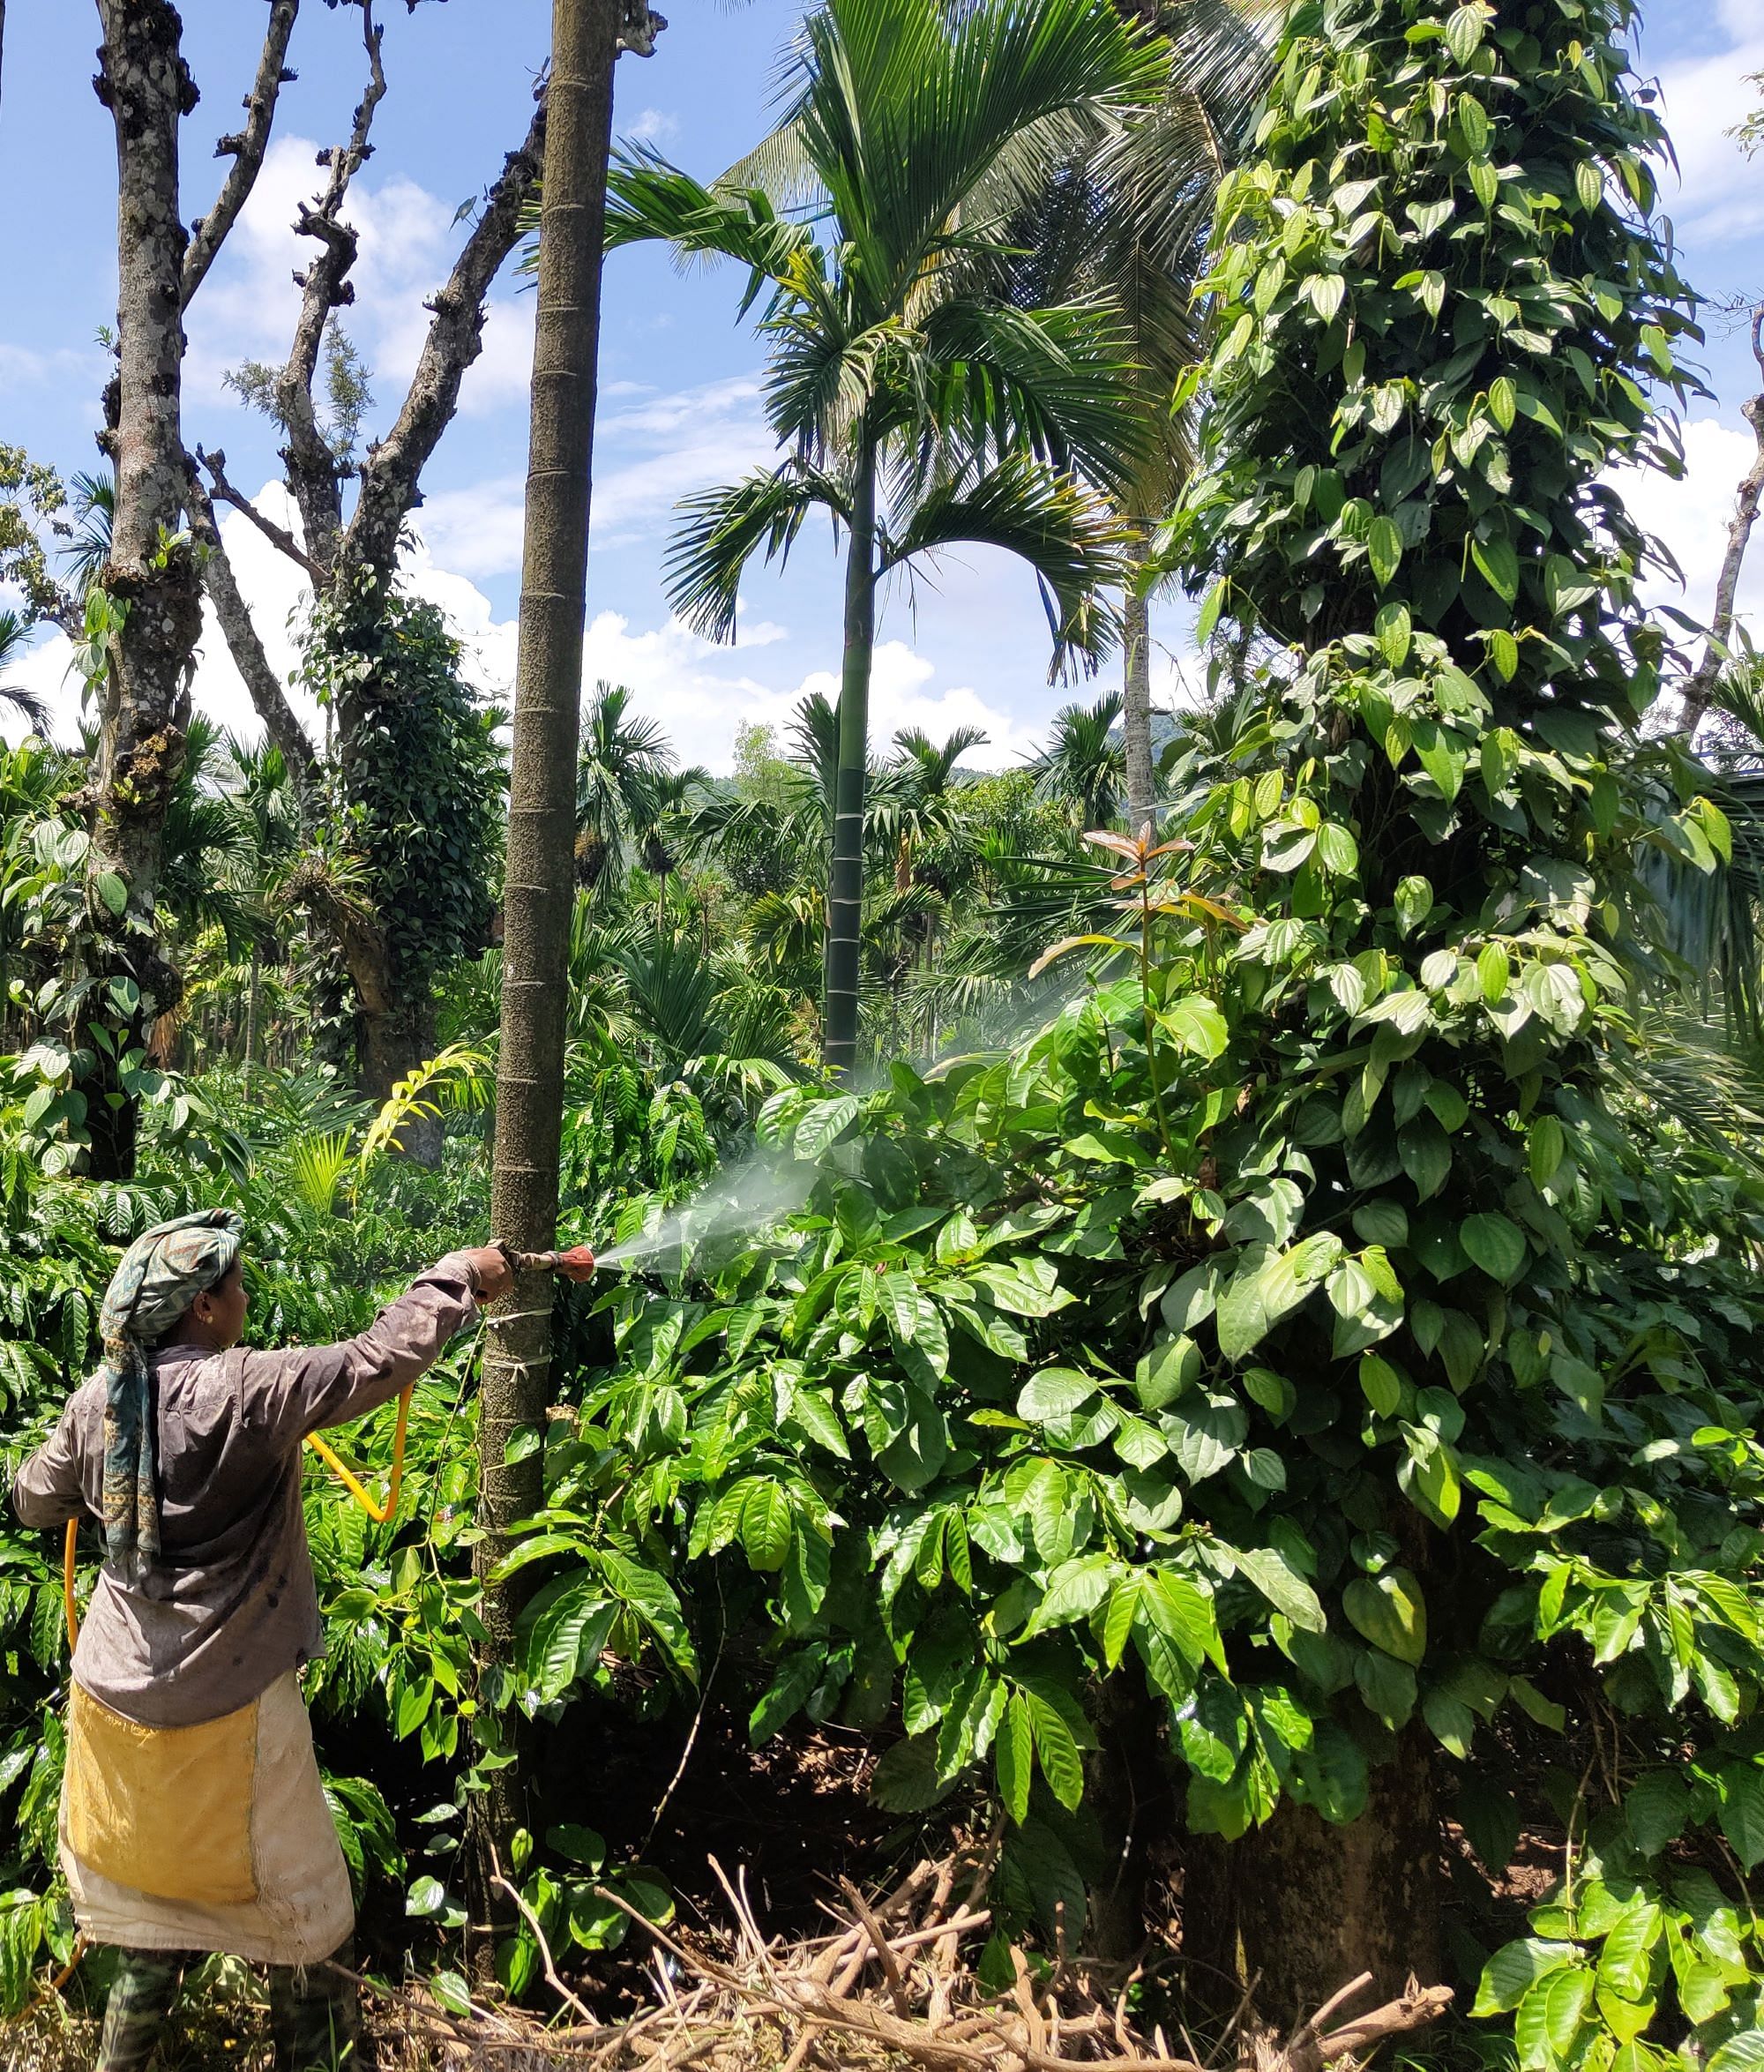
210	1837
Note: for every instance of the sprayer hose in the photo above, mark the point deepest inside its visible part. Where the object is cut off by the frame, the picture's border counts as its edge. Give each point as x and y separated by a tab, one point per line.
378	1512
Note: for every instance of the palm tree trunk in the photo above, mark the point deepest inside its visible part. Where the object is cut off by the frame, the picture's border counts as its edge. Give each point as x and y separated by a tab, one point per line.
845	895
251	1013
1136	716
539	878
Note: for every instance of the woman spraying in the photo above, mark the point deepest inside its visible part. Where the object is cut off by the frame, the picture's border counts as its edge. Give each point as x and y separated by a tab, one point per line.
192	1817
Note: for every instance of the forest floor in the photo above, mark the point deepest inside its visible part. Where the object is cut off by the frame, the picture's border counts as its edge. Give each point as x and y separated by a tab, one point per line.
781	1836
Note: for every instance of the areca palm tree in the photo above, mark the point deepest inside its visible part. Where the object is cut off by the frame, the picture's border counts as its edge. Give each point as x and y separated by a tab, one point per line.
1084	766
261	794
1127	217
622	760
932	858
913	404
927	783
779	844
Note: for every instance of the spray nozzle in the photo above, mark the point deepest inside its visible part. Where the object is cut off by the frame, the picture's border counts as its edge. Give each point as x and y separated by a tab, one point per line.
577	1264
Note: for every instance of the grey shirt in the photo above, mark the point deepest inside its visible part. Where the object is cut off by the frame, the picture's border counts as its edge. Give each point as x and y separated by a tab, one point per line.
231	1605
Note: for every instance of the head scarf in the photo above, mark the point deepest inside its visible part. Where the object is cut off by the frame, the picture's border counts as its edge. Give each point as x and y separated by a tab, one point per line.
163	1273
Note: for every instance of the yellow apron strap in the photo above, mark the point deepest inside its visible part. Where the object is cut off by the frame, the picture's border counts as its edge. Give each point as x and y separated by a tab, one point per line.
378	1512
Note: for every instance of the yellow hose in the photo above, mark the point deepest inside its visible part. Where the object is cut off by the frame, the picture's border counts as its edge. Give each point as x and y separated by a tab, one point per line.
378	1512
69	1561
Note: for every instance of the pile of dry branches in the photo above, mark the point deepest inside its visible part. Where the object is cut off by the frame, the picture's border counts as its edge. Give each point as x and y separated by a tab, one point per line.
893	1987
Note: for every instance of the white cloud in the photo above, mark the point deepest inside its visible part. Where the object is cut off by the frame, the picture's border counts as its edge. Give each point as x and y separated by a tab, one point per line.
476	530
654	126
677	682
1691	516
700	691
42	671
647	456
23	366
1719	194
501	374
736	396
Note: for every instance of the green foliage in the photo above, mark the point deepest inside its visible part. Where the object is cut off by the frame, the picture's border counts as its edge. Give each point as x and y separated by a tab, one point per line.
1441	306
1337	1321
1315	1322
35	523
1640	1928
347	393
416	793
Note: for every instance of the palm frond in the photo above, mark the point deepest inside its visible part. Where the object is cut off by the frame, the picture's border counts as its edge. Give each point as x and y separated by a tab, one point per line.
316	1167
673	991
1709	1081
1071	541
724	528
1085	763
421	1095
932	764
905	105
1059	384
650	201
15	639
778	165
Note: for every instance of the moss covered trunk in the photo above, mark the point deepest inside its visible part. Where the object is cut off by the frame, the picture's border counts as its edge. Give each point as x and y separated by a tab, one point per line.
1304	1904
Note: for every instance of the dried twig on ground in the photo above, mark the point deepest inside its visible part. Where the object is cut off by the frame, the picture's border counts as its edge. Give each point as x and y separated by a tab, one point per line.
887	1987
891	1989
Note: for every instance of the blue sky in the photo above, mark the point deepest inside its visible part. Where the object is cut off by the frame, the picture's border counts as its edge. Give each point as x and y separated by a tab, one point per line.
680	401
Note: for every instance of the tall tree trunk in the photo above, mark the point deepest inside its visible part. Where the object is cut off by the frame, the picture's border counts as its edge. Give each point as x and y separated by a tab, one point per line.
1699	690
1128	1788
144	705
844	891
392	1044
334	553
248	656
1136	713
1303	1905
539	885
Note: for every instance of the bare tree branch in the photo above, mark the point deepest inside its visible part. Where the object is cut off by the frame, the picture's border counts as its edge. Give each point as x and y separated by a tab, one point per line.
277	535
311	465
1700	688
247	146
390	474
247	650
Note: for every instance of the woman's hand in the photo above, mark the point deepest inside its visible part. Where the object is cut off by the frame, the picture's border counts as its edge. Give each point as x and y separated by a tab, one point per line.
492	1276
